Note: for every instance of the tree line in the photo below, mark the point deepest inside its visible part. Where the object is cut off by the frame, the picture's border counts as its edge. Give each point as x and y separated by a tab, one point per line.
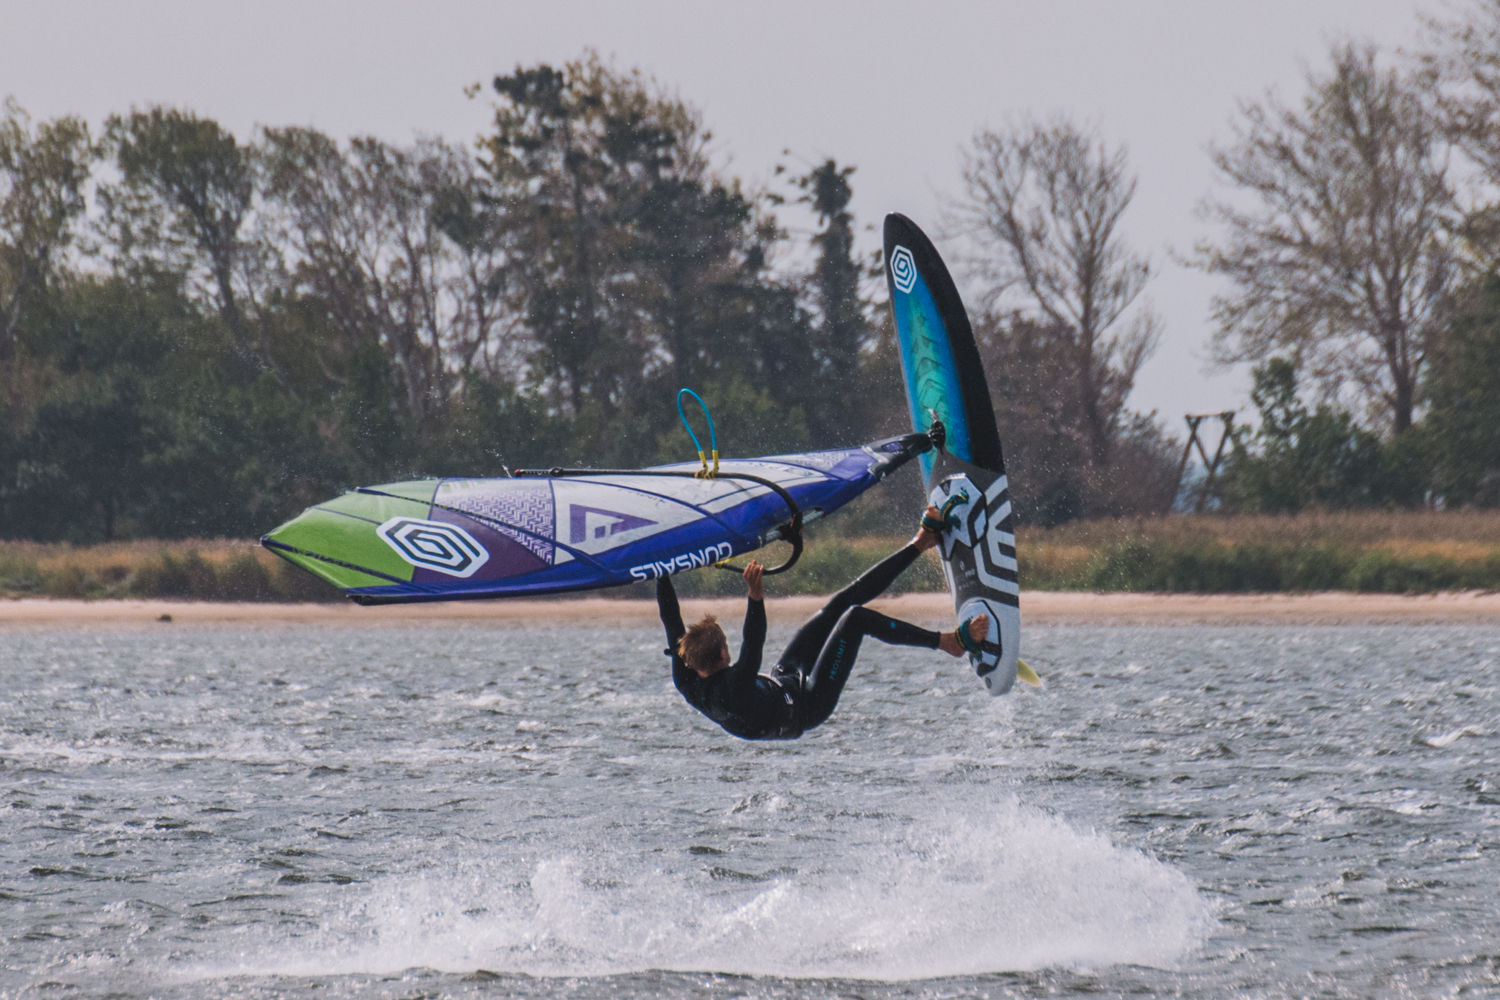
202	333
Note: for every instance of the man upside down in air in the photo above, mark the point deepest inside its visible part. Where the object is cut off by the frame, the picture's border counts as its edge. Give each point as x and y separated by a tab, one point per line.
803	688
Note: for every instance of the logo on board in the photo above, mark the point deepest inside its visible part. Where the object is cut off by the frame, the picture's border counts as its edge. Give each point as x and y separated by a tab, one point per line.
442	548
903	269
985	525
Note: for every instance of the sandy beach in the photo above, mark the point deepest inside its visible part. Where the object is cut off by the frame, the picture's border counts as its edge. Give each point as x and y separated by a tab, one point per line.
1038	608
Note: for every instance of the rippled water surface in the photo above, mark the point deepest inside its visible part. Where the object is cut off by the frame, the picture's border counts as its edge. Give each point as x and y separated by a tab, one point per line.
488	811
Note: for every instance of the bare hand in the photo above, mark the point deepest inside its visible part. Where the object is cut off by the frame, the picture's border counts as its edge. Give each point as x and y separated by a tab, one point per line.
925	539
753	573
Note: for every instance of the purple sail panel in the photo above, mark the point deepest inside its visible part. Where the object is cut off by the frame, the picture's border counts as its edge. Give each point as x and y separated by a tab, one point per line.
520	509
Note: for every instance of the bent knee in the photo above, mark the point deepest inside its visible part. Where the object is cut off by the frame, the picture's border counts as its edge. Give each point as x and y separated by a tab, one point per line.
859	614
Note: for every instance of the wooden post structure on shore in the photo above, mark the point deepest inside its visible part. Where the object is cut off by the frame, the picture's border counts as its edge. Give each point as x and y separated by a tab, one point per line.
1226	417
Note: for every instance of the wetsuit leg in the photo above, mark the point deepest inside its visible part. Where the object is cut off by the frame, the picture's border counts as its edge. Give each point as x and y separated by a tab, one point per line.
806	645
822	685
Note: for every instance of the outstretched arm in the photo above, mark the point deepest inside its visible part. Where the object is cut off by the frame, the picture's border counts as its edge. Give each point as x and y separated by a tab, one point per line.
753	637
671	614
671	619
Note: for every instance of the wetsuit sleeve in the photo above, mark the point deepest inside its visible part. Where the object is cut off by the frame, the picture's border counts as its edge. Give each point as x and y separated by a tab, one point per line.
666	606
752	641
671	619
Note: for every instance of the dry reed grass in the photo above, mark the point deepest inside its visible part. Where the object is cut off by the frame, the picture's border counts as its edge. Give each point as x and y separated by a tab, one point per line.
1365	550
1341	528
1372	551
208	569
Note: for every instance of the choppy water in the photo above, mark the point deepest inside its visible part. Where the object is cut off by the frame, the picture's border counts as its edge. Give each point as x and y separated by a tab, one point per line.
488	811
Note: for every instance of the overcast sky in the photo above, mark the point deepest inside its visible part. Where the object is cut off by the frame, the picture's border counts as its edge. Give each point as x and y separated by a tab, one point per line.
893	88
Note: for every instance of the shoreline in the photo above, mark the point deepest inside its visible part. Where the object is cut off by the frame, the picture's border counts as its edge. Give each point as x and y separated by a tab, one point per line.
931	609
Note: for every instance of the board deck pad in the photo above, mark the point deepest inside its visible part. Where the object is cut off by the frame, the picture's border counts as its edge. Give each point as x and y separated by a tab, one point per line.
979	561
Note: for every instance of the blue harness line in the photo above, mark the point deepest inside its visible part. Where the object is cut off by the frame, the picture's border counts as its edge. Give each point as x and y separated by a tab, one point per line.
713	437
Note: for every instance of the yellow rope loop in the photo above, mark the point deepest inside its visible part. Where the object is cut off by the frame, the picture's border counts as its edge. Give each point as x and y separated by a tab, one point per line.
714	474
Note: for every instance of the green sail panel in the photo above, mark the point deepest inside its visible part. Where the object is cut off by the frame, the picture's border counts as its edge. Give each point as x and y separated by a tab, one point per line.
348	525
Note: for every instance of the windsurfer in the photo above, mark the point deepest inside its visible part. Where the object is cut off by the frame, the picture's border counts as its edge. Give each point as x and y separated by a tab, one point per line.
804	686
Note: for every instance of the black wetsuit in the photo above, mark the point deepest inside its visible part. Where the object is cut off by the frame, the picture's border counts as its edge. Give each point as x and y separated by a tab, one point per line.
803	689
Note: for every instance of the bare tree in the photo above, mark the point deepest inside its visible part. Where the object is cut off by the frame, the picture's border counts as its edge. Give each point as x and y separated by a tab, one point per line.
1045	199
360	244
43	173
385	237
1340	247
487	330
1462	70
185	203
1465	64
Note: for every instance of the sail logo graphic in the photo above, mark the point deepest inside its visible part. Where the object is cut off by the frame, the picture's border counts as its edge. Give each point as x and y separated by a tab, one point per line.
707	556
442	548
903	269
592	524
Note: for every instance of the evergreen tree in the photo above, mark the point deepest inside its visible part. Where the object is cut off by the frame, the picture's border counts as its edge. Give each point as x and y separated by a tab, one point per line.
1461	434
1319	458
841	407
638	271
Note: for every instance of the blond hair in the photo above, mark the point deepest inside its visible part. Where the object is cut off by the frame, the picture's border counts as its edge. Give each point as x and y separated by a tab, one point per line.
700	644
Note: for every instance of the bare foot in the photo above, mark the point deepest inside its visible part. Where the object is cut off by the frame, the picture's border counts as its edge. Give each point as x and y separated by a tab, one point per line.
925	539
949	643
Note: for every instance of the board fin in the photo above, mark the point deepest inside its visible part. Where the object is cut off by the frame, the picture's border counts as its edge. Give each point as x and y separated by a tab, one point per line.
1026	675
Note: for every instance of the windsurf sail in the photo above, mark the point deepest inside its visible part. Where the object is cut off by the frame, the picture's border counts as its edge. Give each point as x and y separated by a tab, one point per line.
966	478
569	530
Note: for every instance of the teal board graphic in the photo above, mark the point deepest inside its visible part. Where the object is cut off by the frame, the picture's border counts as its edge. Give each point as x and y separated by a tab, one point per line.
945	382
939	361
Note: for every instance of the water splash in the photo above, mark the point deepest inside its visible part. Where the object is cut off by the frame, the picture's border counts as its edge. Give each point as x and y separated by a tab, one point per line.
998	887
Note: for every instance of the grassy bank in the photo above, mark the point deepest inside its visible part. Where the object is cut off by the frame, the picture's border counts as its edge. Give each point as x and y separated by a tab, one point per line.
1370	552
213	570
1386	552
